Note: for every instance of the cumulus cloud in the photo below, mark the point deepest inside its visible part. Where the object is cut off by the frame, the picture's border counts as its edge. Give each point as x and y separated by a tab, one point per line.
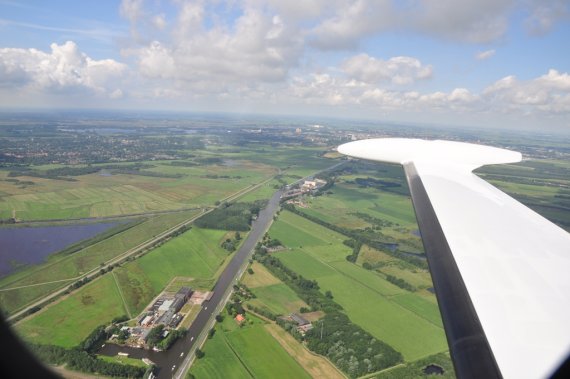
473	21
482	55
398	70
353	21
64	68
256	46
547	93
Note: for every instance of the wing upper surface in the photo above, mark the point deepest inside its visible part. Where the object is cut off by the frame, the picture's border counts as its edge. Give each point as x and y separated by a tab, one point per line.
514	263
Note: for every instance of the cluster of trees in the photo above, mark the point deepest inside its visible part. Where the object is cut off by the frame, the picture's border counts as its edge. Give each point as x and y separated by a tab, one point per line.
172	337
356	246
77	359
156	337
350	347
400	283
234	308
261	311
306	289
231	216
366	237
65	172
94	339
373	220
81	358
231	244
290	327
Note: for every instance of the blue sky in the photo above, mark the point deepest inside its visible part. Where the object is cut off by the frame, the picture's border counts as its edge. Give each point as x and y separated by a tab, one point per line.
488	63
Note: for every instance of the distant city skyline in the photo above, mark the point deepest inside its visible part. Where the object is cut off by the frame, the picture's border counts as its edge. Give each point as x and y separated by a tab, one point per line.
484	63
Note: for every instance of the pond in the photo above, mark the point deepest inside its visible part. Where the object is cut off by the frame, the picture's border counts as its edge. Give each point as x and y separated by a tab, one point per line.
32	245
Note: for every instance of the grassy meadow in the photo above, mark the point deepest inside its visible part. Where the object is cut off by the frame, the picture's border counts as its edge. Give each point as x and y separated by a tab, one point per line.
60	267
94	195
271	294
246	352
410	324
70	320
195	254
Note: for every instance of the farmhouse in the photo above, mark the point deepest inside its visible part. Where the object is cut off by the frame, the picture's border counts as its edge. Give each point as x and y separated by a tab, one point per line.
240	319
299	320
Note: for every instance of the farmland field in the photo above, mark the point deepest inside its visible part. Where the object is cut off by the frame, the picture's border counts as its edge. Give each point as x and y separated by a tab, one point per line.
71	266
247	352
277	298
263	355
94	195
260	278
69	321
196	254
410	325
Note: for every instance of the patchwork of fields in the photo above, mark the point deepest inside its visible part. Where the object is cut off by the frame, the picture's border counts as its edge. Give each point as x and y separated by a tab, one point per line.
246	352
60	267
406	321
94	195
194	254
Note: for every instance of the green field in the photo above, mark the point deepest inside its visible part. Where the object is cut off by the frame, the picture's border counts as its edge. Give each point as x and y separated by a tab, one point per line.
71	266
542	185
264	357
220	362
247	352
278	299
196	254
295	231
69	321
404	320
102	196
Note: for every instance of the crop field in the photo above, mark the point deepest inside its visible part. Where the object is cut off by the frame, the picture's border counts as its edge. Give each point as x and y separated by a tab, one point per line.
260	278
71	266
94	195
247	352
543	185
347	199
297	160
410	325
196	254
277	298
293	231
219	362
69	321
316	366
263	355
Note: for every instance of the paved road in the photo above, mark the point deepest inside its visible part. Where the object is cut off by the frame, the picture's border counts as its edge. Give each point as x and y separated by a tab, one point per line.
171	360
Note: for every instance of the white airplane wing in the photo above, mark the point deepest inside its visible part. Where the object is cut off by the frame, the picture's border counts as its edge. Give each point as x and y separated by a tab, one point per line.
501	272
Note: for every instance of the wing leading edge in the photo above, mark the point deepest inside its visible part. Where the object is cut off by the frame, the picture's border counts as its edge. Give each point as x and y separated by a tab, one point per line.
500	270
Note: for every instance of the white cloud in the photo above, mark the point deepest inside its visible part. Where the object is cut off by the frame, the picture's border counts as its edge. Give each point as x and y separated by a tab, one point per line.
353	21
159	21
473	21
482	55
64	68
256	47
398	70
